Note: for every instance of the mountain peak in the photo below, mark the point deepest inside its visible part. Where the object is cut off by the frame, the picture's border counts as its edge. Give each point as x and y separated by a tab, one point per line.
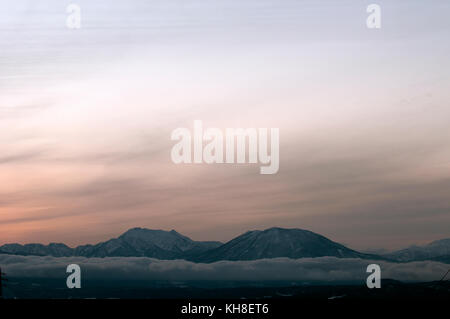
135	229
279	242
281	229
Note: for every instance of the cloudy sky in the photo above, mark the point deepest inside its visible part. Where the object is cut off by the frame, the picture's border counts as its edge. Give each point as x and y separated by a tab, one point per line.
86	117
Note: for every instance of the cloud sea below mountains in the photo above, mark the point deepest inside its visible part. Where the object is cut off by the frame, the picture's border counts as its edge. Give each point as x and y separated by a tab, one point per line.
322	269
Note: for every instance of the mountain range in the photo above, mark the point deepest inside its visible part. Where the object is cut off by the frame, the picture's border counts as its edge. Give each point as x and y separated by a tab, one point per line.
136	242
438	250
252	245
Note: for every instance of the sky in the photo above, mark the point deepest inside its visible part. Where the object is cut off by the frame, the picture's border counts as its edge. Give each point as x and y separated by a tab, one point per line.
86	117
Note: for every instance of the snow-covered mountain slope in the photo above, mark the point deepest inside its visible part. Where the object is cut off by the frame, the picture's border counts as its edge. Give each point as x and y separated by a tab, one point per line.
53	249
279	242
432	251
135	242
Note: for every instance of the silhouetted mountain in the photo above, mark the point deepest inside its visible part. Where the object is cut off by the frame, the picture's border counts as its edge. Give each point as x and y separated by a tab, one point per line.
433	251
136	242
53	249
158	244
279	242
270	243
